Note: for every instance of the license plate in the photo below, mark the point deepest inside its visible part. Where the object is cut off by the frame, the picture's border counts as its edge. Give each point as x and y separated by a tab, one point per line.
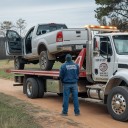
79	46
67	48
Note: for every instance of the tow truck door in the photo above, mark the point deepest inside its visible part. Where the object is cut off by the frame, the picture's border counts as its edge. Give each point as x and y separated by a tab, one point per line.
103	59
14	43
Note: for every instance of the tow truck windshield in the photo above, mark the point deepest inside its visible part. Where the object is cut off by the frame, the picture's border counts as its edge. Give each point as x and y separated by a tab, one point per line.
121	44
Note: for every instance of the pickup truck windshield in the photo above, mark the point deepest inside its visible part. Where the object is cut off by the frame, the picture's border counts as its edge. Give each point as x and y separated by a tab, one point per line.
121	44
42	29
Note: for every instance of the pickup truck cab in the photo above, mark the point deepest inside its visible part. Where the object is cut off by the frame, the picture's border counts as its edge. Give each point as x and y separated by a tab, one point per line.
44	44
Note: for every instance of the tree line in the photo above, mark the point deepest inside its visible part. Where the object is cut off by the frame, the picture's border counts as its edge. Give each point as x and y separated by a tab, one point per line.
19	26
112	12
108	12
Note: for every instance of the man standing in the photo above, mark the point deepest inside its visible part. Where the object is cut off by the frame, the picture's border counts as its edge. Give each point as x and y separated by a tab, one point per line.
69	74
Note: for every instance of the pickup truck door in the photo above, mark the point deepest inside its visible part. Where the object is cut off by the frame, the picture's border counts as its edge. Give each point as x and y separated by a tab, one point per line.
14	43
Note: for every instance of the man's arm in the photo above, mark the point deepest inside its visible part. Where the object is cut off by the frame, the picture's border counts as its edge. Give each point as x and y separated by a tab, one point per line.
61	75
78	70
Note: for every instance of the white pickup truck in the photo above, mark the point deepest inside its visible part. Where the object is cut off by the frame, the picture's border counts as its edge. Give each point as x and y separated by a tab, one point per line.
45	44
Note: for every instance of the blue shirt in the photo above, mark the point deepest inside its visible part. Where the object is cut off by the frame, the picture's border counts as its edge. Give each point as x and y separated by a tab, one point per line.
69	72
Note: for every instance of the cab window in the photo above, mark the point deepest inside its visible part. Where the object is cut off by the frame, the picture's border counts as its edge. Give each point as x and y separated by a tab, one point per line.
105	46
43	29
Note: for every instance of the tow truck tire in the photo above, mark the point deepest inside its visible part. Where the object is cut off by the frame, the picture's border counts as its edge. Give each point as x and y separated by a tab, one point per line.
24	85
40	88
18	63
117	103
32	88
60	94
44	62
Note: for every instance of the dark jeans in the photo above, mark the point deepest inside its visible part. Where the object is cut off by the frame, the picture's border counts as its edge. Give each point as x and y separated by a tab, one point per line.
73	89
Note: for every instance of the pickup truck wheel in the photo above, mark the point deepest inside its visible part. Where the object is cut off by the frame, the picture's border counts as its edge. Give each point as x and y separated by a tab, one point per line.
45	63
117	103
18	63
32	88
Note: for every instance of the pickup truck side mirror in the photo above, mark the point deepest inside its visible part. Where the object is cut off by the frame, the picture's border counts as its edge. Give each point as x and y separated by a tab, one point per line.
44	31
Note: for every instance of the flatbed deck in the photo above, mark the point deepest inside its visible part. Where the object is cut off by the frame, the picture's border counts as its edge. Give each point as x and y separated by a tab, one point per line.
52	73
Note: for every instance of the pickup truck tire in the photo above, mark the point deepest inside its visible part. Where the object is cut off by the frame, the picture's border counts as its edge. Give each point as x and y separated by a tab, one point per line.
32	88
18	64
117	103
44	62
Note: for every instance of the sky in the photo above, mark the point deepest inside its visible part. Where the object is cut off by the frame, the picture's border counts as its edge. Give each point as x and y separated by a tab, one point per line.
73	13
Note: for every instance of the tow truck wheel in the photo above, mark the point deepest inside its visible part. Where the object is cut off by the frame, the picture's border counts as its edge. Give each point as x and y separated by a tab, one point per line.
32	88
60	94
117	103
18	63
41	85
45	63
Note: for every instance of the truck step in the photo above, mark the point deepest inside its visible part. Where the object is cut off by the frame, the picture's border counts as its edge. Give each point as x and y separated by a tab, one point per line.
93	100
18	84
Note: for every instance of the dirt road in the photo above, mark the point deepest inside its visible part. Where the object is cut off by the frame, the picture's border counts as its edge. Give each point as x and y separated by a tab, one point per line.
92	115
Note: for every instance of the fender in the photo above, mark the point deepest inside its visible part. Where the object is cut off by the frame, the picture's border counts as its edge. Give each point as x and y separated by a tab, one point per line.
50	56
116	80
39	44
41	41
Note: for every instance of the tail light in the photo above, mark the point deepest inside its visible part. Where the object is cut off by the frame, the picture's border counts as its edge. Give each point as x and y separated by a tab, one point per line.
59	37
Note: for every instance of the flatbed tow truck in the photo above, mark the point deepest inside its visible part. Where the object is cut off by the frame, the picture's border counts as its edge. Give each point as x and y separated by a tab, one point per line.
104	78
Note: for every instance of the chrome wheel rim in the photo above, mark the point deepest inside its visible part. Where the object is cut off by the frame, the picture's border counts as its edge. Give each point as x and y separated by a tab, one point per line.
118	104
16	63
29	88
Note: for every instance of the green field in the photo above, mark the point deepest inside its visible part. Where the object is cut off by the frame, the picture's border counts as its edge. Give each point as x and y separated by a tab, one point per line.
9	64
14	113
11	115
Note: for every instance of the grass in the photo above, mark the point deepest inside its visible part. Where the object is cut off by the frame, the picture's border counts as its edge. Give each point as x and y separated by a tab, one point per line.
13	115
6	64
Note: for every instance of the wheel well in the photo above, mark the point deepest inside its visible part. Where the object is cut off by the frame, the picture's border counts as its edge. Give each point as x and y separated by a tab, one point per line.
113	83
123	83
41	48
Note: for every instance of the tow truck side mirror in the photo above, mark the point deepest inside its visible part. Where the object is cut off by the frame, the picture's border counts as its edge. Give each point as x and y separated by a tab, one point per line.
95	47
106	50
108	59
